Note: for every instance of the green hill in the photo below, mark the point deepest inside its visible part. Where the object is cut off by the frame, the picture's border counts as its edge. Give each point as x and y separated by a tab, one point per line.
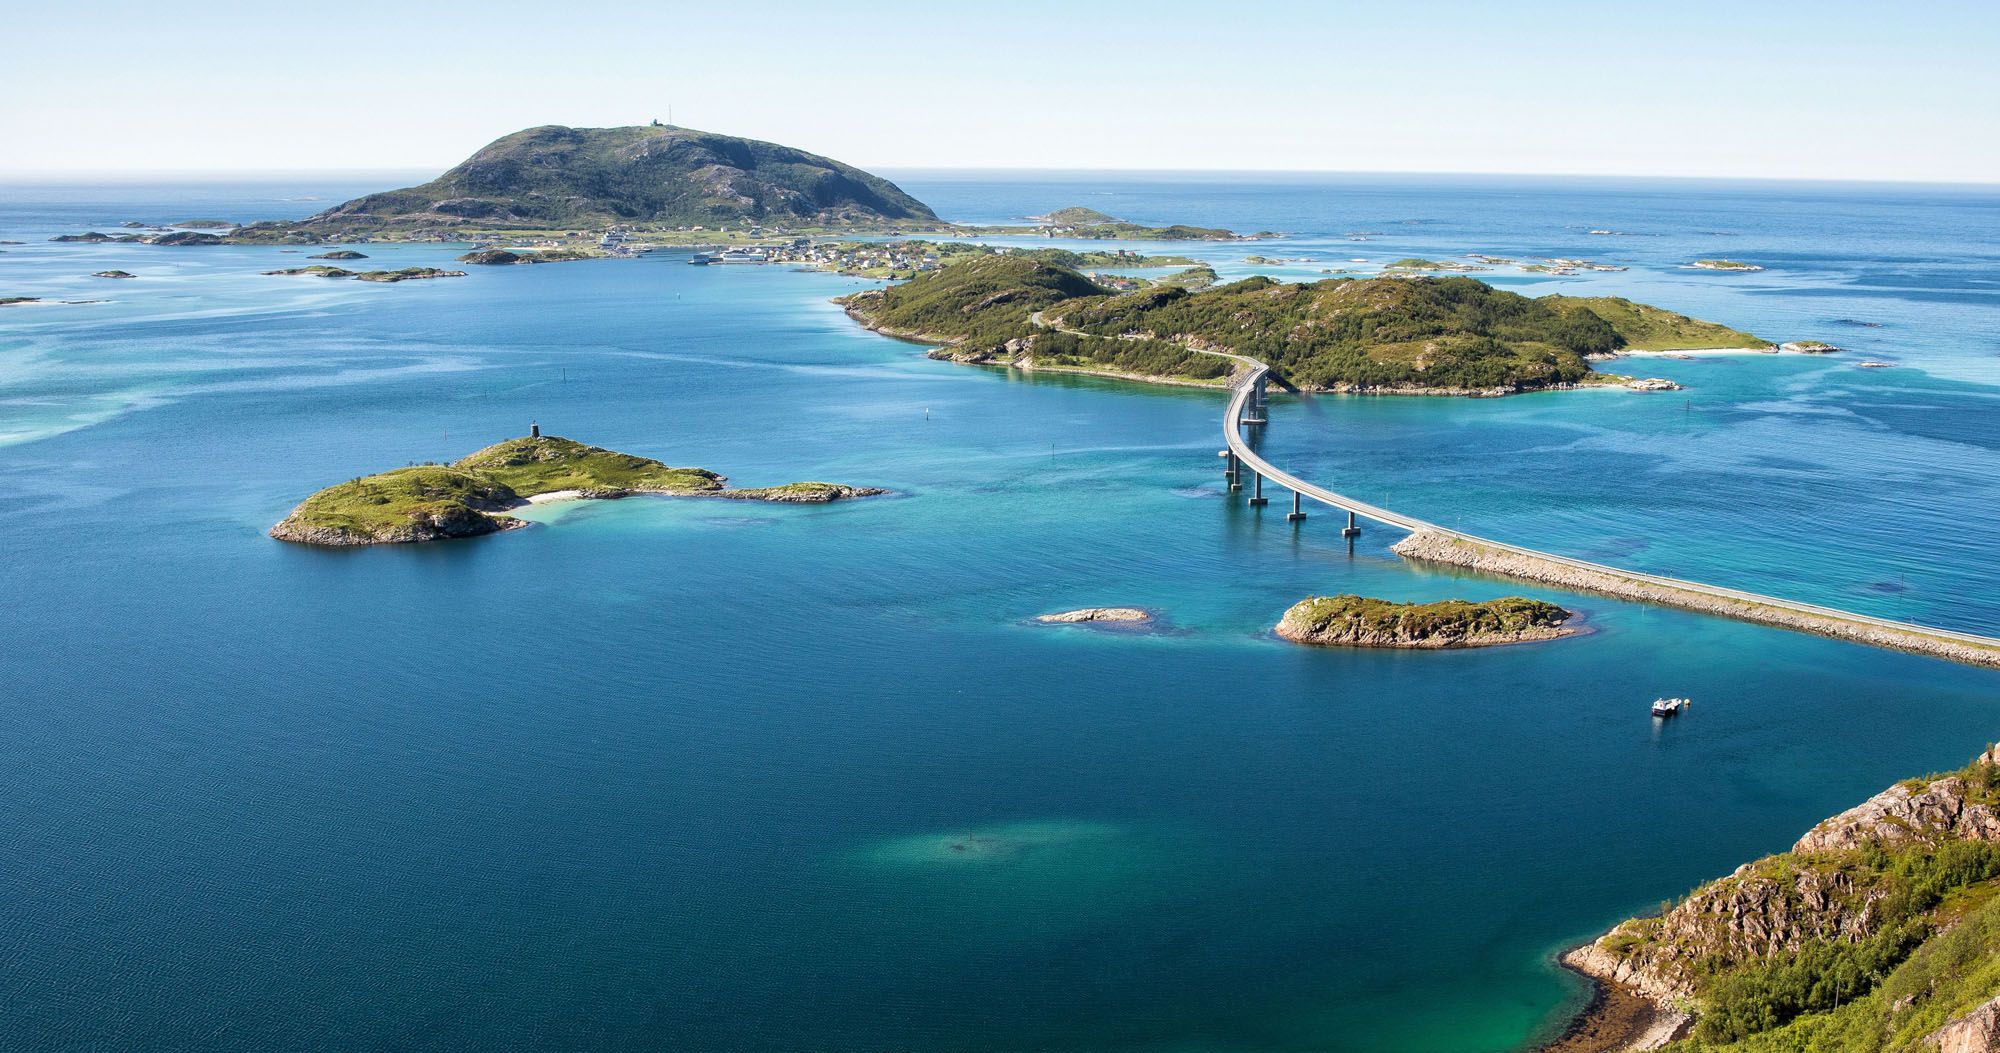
1455	335
555	177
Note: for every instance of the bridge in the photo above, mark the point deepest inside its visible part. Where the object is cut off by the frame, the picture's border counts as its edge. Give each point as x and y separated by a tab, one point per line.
1249	408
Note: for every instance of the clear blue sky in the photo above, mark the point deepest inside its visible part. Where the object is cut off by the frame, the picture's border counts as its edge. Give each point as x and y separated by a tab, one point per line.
1830	89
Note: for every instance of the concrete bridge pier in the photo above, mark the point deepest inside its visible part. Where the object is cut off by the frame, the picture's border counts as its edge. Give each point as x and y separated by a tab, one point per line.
1257	498
1352	530
1295	515
1254	406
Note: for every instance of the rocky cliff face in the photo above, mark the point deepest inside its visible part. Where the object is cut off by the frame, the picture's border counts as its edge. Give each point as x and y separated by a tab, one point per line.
1823	889
1909	812
436	525
1975	1032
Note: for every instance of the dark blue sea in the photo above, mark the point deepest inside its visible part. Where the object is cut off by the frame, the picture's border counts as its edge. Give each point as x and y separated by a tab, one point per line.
725	776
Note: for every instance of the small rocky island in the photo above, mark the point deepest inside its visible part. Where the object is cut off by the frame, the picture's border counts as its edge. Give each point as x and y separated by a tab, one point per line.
1112	615
470	497
494	257
1363	621
339	254
113	274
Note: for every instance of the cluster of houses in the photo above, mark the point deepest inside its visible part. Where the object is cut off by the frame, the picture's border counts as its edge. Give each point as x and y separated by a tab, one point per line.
852	257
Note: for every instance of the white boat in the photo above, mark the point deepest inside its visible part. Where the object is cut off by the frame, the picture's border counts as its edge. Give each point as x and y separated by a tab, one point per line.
1667	707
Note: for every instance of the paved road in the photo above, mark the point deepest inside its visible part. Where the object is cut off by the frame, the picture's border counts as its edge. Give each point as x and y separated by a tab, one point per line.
1245	383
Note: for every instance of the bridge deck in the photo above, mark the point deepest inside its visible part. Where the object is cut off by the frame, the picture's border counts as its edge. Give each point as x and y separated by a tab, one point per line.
1233	434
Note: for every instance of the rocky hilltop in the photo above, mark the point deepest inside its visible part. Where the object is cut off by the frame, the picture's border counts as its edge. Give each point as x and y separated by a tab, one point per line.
556	177
1363	621
471	496
1878	930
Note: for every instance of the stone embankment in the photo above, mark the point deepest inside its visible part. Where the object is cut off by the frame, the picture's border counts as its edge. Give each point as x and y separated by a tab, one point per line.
1436	547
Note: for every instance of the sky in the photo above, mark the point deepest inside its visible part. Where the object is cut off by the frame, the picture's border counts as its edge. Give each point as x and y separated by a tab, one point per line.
1774	89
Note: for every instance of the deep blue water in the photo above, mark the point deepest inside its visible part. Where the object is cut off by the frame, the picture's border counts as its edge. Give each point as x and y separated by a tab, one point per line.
689	774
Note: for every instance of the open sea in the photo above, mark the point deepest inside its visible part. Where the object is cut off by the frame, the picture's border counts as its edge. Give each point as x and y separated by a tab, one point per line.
726	776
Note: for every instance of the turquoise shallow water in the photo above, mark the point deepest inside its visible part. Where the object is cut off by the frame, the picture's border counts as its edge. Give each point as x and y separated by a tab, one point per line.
691	774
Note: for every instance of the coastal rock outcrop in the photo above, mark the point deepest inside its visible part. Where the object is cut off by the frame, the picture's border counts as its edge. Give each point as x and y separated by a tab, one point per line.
1910	812
1975	1032
1906	876
1363	621
808	493
1125	615
184	237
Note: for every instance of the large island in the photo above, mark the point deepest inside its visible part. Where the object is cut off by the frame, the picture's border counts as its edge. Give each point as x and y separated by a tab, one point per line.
471	496
1439	336
567	183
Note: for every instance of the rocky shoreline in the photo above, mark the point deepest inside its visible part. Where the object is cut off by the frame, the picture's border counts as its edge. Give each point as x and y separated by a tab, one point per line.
1836	886
1431	547
1364	621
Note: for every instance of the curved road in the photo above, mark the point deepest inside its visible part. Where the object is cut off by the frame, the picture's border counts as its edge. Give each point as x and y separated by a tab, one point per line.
1232	433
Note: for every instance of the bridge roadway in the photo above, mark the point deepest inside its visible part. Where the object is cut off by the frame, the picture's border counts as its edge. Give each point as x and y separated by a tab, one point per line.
1826	621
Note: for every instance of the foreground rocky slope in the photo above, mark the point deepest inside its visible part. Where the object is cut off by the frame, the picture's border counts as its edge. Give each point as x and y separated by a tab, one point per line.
1879	930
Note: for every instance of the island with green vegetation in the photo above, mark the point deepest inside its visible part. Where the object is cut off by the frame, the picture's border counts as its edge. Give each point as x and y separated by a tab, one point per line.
321	270
11	301
1363	621
1416	335
496	257
339	254
1090	224
1724	265
204	224
1643	327
1414	263
471	496
569	182
1878	931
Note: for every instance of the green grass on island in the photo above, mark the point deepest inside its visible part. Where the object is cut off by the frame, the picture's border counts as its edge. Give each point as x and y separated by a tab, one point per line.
546	464
1366	621
1867	941
1647	328
1449	335
1089	223
429	502
426	502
